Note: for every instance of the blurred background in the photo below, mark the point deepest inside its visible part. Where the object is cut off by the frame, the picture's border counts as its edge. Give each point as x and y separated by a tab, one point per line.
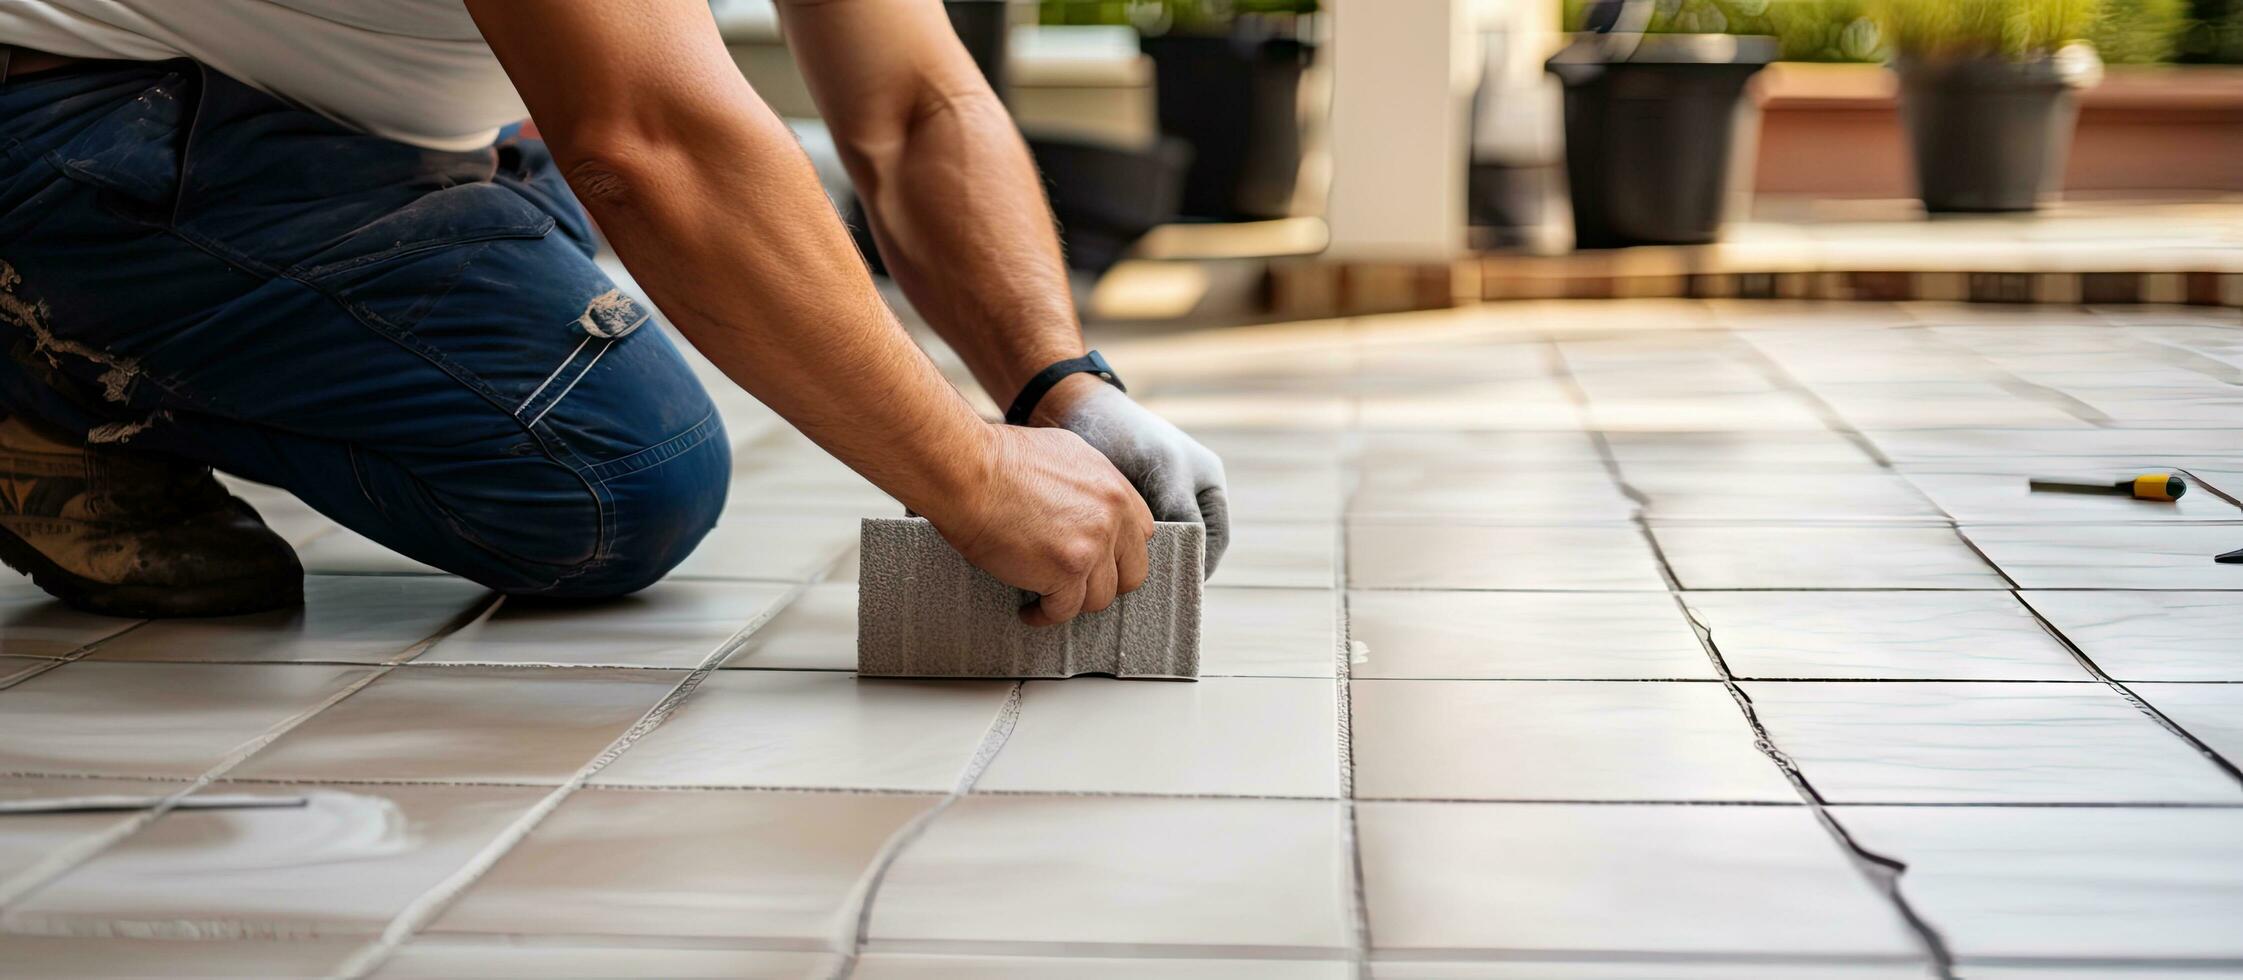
1289	158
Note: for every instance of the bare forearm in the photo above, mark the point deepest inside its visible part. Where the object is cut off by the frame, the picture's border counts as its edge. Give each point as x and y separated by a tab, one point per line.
733	239
961	219
718	215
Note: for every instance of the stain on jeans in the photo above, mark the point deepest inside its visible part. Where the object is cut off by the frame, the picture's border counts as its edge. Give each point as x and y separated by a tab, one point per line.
118	373
611	314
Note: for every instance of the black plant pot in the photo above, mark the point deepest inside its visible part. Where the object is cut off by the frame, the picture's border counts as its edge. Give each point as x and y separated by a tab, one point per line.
984	27
1236	101
1648	123
1106	197
1987	135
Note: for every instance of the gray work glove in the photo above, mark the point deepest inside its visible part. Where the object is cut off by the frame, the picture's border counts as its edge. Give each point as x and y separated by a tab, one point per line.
1180	479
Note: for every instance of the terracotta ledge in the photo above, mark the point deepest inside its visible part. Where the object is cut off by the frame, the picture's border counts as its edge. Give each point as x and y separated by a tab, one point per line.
1800	85
1308	289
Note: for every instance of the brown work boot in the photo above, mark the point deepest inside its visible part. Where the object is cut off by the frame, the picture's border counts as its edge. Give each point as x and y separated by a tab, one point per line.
124	534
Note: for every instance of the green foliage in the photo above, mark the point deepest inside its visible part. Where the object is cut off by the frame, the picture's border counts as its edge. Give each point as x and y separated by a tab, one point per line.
2213	33
1824	30
1164	14
2019	29
1809	30
2138	31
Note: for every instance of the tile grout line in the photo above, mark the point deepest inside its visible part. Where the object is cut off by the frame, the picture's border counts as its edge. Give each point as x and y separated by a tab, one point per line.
555	665
1838	422
1881	872
1983	556
1468	954
1832	419
857	920
66	859
1775	370
1995	368
1343	672
431	903
1135	795
83	651
2140	703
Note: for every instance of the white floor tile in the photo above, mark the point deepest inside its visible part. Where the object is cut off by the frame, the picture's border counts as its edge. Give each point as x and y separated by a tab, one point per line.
1641	879
1296	556
164	720
14	669
1467	556
778	549
110	957
1235	736
1523	635
672	624
1267	873
1945	742
1556	740
1268	632
2213	713
344	864
1776	493
466	724
1649	967
1510	490
1283	491
2106	556
1823	557
345	618
931	966
442	959
817	631
688	863
34	624
2152	636
1731	449
343	551
815	729
27	839
2086	882
1982	635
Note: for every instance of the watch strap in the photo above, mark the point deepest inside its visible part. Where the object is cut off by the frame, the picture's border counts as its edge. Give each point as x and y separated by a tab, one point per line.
1033	392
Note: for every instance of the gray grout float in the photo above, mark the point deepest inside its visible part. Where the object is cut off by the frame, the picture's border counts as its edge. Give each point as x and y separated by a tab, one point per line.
923	611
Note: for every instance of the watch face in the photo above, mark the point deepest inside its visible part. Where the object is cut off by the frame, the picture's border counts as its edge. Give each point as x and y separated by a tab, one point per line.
1104	370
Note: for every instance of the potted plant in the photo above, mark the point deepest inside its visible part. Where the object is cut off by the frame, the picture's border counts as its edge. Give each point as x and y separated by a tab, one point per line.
1986	95
1227	81
1652	95
1103	197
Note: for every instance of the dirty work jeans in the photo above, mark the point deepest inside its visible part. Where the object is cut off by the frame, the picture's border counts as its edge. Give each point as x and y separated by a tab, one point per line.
415	343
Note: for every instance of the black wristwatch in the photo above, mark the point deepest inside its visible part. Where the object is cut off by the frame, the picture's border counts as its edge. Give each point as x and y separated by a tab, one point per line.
1033	392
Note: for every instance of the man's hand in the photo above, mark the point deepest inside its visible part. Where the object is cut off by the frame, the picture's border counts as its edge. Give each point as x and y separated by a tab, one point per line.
1052	516
1180	479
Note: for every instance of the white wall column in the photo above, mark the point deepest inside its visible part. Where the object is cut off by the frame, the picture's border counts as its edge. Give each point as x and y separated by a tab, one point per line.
1401	73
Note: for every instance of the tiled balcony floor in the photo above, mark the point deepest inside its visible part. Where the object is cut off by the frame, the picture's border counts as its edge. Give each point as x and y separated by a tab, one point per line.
1653	639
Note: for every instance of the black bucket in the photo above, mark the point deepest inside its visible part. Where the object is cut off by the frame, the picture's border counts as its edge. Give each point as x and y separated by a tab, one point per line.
1987	135
1648	123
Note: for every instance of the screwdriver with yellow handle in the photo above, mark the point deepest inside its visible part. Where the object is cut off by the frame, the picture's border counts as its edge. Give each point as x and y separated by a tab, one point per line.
2149	486
2165	487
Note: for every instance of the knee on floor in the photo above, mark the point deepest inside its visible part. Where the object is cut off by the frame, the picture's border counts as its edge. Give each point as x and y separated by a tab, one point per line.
660	515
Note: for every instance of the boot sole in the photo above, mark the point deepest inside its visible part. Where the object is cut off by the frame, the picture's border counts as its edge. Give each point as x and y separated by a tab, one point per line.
230	597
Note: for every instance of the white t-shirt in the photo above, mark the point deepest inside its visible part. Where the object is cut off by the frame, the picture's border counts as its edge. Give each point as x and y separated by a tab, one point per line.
416	71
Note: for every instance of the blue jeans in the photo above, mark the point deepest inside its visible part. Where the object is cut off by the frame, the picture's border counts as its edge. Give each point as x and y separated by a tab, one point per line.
416	343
